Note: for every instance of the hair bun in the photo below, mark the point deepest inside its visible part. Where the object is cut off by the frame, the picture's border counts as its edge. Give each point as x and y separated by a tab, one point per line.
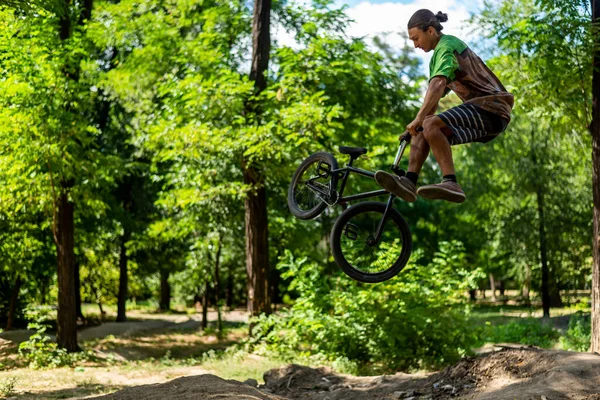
442	17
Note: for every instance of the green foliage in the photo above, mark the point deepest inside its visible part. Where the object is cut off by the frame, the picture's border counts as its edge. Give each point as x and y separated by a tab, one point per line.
7	386
40	351
418	320
578	335
527	331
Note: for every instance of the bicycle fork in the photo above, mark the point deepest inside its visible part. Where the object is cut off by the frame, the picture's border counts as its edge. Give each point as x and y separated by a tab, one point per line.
395	167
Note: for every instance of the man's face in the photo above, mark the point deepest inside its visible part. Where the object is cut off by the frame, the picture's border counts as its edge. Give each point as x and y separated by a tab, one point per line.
423	40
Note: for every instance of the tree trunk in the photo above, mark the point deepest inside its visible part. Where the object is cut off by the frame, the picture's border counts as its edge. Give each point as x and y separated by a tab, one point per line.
554	297
67	314
80	316
229	293
123	279
165	291
13	303
102	313
595	130
43	292
473	294
543	256
527	284
205	307
217	295
261	43
493	286
257	246
539	191
66	335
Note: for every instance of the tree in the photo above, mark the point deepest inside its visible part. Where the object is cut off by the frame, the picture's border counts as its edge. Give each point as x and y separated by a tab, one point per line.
257	236
548	41
595	131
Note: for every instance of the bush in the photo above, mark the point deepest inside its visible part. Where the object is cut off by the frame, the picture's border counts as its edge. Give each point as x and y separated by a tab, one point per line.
418	320
527	331
578	336
40	351
7	387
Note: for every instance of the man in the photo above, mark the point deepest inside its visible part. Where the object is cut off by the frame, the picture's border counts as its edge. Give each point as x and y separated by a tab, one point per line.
484	114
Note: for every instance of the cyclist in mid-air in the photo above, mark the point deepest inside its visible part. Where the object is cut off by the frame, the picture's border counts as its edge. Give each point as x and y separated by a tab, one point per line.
484	114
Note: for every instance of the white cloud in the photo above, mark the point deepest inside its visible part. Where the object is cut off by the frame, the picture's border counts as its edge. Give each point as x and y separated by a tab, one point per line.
387	20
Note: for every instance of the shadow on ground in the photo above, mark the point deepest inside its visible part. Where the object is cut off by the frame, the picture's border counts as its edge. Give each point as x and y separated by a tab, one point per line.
82	390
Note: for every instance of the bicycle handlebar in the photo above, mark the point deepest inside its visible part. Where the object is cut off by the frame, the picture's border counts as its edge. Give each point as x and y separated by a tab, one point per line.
407	135
403	142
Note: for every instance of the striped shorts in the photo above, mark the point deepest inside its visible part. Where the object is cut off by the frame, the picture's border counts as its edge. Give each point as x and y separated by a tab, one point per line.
470	123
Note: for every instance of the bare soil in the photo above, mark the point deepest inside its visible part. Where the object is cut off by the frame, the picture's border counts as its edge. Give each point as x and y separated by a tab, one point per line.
508	373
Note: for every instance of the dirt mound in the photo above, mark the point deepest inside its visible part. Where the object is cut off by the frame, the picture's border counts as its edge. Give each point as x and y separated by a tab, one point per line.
192	387
514	373
527	373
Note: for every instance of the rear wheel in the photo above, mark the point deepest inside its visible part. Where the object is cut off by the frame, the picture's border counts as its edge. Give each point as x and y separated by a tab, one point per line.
312	183
358	254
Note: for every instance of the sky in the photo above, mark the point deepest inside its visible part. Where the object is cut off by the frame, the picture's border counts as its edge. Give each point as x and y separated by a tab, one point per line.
387	18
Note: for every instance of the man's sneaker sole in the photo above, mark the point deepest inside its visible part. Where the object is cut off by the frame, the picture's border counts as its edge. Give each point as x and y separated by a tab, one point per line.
440	193
389	183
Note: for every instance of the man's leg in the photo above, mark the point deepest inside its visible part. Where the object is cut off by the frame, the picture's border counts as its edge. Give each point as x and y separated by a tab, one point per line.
435	137
405	186
419	151
434	132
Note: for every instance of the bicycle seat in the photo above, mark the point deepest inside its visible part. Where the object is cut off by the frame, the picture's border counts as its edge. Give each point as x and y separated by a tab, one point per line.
353	151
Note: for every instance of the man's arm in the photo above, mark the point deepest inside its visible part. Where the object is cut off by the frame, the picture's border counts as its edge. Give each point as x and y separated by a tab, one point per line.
435	91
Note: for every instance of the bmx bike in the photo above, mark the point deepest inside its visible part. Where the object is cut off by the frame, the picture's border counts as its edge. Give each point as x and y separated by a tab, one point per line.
370	241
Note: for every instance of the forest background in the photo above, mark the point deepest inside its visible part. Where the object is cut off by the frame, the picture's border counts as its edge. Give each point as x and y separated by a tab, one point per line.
145	159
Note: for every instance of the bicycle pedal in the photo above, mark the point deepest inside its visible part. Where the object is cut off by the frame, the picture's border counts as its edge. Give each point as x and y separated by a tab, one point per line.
398	171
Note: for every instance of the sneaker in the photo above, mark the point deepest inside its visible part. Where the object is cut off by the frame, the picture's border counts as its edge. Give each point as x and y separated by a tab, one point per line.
447	190
401	186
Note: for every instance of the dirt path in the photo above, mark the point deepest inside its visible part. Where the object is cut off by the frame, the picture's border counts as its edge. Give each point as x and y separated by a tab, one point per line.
507	374
141	323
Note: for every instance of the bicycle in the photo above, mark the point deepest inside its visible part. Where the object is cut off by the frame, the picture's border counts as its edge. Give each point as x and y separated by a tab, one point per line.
364	245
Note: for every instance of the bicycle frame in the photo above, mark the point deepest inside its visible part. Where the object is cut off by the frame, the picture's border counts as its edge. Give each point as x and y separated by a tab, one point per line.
344	173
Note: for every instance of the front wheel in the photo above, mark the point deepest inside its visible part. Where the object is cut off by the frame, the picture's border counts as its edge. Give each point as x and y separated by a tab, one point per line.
312	184
356	250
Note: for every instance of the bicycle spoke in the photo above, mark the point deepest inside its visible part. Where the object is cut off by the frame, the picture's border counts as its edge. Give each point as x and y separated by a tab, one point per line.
306	198
360	249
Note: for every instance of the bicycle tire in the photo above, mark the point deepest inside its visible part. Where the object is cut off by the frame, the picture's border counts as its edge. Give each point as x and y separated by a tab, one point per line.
341	259
300	210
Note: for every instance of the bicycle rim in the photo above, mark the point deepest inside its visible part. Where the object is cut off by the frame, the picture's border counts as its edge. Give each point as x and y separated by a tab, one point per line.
358	252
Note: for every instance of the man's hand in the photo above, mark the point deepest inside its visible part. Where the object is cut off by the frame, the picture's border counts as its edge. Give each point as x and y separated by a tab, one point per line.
412	127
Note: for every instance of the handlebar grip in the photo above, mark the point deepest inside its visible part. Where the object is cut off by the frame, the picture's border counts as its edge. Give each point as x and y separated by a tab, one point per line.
407	135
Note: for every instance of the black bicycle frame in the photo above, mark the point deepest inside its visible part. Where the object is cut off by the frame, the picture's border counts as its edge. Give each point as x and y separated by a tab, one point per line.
345	173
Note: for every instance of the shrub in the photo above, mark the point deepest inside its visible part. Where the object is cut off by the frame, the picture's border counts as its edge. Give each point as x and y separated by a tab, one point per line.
7	386
528	331
418	320
40	351
578	335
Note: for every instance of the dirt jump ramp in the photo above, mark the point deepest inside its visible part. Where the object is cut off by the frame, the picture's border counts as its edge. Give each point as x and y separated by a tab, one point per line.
508	374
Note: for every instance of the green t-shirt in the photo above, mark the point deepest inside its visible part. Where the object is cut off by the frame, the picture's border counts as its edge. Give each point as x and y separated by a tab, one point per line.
444	62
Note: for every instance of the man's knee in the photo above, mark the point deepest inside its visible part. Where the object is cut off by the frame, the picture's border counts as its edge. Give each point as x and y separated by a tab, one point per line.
432	126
